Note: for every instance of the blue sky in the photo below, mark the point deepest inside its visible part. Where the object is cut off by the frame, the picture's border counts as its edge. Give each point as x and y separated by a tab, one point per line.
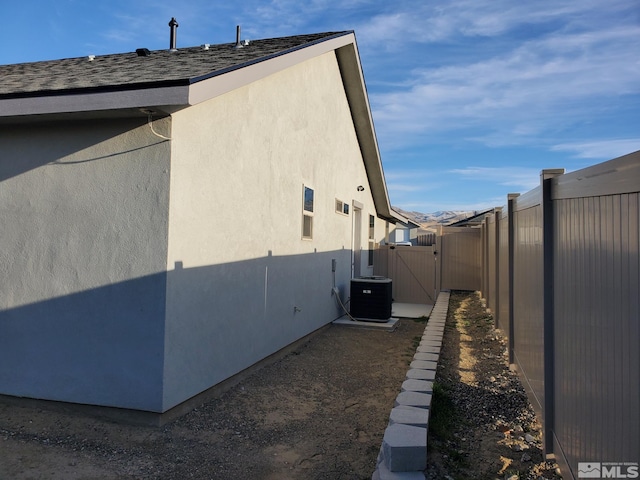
470	98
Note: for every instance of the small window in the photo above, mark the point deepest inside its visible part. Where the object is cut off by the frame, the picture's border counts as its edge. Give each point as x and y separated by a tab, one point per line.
308	199
307	213
307	226
342	207
372	223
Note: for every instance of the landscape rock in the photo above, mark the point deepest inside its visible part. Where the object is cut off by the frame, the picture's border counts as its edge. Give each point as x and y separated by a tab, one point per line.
486	402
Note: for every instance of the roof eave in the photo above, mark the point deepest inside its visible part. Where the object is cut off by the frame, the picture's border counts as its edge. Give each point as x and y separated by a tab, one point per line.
170	97
166	96
356	91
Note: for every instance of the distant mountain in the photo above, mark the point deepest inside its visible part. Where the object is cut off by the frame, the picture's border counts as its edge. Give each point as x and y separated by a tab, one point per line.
429	221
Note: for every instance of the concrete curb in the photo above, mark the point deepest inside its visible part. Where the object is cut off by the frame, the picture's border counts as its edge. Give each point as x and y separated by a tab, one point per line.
403	453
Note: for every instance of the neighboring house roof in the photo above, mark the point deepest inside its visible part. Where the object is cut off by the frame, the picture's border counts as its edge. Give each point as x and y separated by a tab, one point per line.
476	219
404	220
411	224
165	81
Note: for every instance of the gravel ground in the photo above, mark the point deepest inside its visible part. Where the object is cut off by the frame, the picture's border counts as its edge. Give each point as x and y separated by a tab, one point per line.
318	413
482	425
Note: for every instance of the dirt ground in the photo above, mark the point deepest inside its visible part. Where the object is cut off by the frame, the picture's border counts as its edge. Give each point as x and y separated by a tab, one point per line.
317	413
482	425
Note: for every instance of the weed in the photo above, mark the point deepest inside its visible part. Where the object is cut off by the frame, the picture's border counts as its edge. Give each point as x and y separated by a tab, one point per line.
511	474
443	413
443	422
422	319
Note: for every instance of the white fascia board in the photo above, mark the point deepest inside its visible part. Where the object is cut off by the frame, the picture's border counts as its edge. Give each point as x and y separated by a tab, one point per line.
98	101
220	84
356	90
400	218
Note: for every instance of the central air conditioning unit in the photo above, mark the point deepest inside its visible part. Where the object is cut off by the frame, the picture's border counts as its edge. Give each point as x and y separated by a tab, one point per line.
371	298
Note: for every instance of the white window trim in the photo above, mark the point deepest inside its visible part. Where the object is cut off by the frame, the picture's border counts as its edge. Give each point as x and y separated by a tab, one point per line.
307	213
342	207
372	240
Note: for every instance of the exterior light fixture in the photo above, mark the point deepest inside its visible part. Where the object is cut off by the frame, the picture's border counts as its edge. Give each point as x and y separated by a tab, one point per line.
360	188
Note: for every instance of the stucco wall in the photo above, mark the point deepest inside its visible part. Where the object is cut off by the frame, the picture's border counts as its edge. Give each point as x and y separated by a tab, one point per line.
82	259
238	265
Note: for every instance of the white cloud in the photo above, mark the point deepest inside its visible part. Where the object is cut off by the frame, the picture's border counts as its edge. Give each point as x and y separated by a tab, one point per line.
410	181
404	22
522	178
539	85
604	149
479	205
288	17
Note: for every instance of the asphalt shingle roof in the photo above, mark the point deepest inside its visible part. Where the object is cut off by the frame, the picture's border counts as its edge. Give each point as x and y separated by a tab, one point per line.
126	71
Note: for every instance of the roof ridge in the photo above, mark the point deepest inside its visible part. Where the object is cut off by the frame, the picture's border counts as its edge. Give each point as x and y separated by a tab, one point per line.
321	35
148	68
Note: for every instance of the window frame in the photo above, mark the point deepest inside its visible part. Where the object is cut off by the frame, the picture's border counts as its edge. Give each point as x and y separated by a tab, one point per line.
307	212
343	207
372	240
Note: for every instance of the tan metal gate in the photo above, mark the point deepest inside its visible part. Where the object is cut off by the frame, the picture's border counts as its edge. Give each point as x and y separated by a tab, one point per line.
412	270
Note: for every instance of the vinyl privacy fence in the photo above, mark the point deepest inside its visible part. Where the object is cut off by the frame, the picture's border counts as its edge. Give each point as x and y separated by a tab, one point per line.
561	275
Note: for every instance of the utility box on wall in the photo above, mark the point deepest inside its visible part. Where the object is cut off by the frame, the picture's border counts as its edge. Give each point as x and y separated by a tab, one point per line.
371	298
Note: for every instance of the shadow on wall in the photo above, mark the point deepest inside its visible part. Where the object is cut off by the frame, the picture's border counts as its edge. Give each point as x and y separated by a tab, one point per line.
22	152
152	342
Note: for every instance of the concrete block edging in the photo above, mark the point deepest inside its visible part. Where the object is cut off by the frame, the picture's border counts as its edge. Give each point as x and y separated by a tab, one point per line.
403	452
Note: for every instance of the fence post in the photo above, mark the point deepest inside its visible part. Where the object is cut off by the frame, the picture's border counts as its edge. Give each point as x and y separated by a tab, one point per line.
482	264
485	262
548	237
439	269
511	198
497	213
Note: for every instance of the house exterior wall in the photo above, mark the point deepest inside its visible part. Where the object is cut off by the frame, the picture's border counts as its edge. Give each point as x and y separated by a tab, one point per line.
400	234
244	158
82	260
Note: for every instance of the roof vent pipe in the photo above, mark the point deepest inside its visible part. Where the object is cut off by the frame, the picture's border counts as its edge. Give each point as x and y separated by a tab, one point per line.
174	33
238	43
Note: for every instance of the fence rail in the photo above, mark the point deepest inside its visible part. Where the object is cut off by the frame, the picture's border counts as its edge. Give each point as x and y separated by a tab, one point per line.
561	274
